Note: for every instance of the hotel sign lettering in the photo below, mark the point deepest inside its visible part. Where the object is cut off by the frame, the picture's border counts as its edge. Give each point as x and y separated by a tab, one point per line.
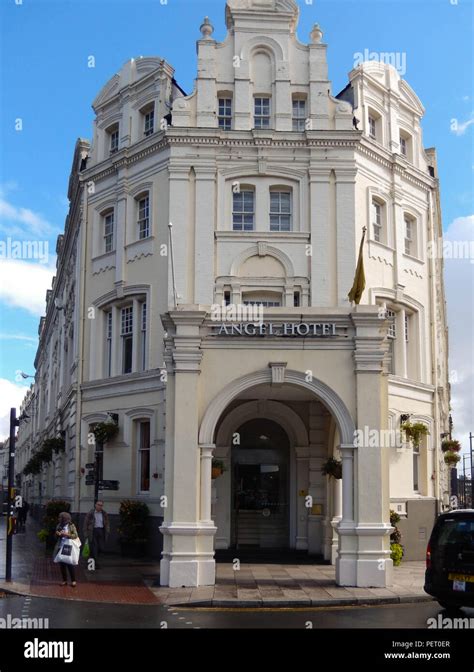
296	329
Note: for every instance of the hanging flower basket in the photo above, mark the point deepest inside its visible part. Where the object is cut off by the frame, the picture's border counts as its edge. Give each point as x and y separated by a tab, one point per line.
333	468
451	445
105	431
451	458
415	431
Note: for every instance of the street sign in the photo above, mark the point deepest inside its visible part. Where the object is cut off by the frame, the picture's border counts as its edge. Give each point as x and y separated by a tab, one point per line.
109	485
91	465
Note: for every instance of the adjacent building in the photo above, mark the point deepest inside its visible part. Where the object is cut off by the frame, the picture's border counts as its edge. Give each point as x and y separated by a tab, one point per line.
201	298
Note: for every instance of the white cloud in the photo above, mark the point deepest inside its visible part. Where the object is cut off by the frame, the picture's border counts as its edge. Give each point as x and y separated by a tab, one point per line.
11	396
24	285
18	337
35	223
459	279
459	129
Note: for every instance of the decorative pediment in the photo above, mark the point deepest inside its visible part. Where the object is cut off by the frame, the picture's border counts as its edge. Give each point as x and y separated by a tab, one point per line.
110	89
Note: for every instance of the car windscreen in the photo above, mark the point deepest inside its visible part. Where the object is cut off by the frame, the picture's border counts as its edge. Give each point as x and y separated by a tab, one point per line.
455	531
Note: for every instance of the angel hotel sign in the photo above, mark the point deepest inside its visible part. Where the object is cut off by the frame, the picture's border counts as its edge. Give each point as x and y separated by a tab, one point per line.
309	329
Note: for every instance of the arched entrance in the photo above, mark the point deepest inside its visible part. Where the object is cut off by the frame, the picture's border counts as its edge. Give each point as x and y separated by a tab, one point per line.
260	492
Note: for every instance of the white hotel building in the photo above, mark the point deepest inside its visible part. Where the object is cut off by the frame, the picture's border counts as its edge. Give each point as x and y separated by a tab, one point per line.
268	180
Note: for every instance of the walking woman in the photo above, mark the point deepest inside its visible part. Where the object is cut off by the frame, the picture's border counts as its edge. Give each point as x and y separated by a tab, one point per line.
66	530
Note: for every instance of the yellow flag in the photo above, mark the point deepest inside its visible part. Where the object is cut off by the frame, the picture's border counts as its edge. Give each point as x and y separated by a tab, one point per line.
358	287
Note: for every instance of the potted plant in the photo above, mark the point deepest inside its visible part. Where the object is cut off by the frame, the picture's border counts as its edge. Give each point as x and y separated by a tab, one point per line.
218	468
133	527
333	468
451	458
396	549
415	431
450	445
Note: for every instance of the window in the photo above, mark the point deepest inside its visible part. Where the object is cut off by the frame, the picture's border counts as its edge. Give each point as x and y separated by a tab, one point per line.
143	329
372	127
416	468
391	335
378	221
144	217
149	121
144	455
410	235
225	113
407	328
262	113
114	141
406	145
108	344
280	211
296	300
264	303
108	231
127	339
299	114
403	146
113	133
265	299
243	210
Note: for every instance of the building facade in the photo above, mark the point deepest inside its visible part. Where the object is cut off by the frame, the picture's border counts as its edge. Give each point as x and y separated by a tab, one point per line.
202	298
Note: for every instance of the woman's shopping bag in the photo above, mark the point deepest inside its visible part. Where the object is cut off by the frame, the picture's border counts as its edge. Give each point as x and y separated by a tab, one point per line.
68	552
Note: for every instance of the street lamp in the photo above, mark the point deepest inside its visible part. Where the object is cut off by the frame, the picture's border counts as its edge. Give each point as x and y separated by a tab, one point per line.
25	375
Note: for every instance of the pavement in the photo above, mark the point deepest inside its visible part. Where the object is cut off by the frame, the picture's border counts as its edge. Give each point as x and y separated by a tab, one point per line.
128	581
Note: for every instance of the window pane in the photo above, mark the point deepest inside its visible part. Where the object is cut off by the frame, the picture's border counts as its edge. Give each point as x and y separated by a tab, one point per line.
127	354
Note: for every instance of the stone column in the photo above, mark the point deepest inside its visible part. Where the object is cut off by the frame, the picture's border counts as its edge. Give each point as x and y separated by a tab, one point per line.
336	517
347	249
206	481
323	254
188	552
364	550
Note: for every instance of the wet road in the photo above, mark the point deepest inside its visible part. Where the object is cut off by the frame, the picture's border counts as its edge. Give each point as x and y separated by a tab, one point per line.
63	614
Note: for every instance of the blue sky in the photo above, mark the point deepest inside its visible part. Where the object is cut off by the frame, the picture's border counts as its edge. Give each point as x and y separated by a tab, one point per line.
46	82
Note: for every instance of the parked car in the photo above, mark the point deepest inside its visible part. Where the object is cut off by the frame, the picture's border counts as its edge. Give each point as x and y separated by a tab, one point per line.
449	573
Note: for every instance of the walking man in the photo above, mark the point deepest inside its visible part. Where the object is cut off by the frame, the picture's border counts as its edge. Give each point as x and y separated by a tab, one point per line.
96	530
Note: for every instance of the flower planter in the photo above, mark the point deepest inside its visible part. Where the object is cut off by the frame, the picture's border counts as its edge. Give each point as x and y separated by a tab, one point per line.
450	445
332	468
451	458
216	472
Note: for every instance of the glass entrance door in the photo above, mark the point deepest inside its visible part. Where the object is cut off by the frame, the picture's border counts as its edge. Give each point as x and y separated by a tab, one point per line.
260	486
